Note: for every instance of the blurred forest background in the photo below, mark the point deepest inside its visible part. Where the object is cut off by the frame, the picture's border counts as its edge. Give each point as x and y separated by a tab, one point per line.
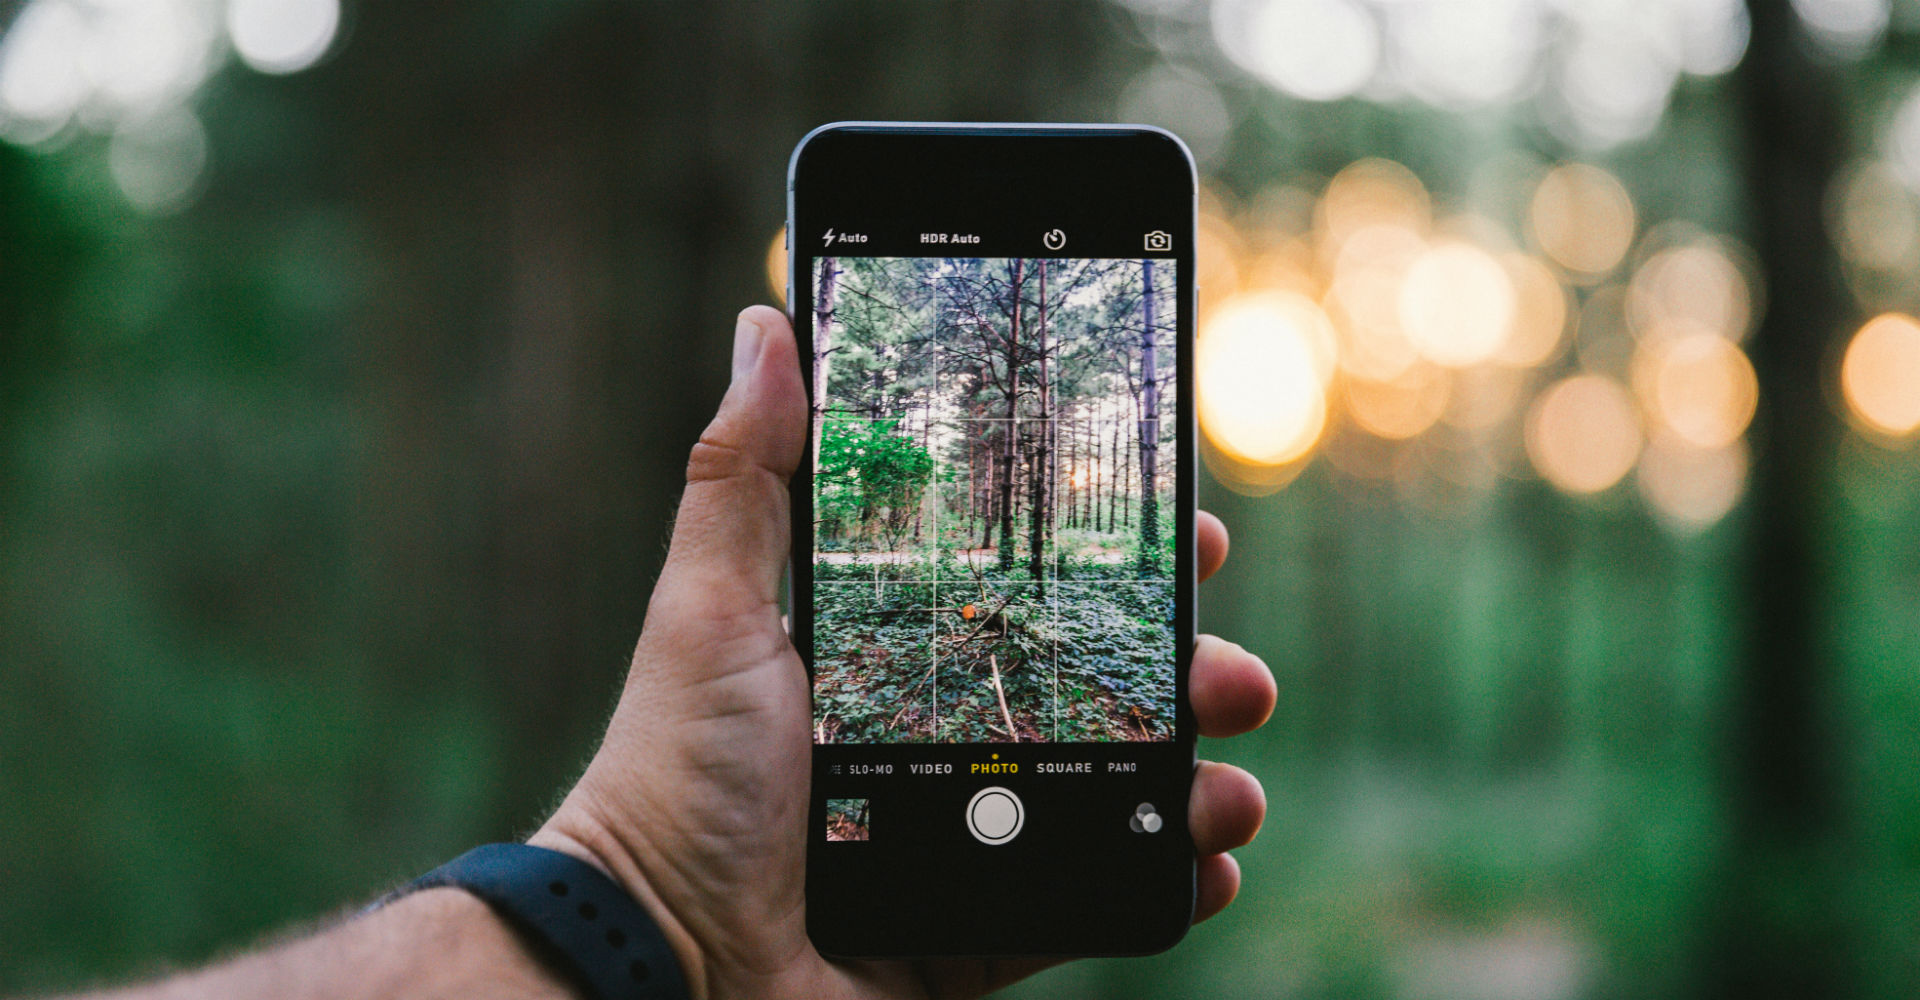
1557	377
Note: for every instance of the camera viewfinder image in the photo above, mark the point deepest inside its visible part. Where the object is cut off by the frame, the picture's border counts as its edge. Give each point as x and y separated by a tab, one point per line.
995	443
847	819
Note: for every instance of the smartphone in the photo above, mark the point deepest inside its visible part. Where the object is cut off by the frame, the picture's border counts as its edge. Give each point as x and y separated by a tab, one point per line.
993	565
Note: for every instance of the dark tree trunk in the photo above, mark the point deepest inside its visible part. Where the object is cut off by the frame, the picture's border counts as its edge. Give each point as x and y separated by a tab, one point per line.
933	488
822	344
1042	503
1779	929
1149	424
1126	475
1010	455
1117	481
990	484
973	484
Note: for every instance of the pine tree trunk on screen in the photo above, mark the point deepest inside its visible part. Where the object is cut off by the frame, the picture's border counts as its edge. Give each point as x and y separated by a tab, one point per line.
822	343
1149	425
990	486
1010	456
1042	503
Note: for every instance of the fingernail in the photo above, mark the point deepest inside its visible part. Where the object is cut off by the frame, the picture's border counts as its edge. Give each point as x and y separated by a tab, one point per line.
747	336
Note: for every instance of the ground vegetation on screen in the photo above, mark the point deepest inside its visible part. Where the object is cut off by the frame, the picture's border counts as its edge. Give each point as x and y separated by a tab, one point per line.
993	500
847	820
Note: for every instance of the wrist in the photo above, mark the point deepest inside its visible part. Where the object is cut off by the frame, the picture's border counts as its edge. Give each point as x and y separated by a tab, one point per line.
593	845
476	953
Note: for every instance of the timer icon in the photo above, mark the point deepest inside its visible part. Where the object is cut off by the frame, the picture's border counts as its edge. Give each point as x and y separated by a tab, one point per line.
1054	239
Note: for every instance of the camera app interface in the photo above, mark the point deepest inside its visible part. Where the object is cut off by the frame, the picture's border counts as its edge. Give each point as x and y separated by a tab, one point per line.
993	501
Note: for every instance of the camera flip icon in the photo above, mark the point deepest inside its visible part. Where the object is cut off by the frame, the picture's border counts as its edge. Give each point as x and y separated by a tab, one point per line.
1158	241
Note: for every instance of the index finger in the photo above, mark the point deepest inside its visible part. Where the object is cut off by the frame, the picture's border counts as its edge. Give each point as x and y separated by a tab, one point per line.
1212	543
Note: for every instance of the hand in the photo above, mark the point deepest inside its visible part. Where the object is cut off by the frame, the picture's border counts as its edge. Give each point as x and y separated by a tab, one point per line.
697	799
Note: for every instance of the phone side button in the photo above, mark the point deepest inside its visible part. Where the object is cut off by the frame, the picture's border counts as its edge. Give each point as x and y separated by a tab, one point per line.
995	815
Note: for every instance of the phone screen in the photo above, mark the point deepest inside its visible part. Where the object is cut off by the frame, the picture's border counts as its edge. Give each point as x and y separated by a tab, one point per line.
993	558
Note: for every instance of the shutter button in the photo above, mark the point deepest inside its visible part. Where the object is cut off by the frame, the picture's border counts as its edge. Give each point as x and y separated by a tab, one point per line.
995	815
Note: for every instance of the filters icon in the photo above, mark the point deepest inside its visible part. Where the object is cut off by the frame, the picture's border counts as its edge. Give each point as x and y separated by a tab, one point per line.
1145	819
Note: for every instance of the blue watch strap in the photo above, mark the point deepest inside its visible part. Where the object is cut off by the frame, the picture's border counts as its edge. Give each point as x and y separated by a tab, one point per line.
601	936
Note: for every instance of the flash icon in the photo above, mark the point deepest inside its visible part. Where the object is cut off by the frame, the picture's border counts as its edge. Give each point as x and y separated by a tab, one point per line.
828	239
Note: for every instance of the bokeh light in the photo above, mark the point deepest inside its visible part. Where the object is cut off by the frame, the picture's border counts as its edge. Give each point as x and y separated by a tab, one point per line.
1457	304
282	36
1369	275
1903	139
1612	87
1595	74
41	84
1602	340
1217	251
1582	434
157	161
1692	286
1401	407
1872	218
1466	53
1263	362
1688	487
1711	35
1283	267
1367	193
1845	28
1484	396
101	63
1582	217
1880	375
1182	101
1539	313
1699	386
1409	323
1318	50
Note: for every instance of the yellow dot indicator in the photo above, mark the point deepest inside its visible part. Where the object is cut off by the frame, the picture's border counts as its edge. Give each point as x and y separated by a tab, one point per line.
996	756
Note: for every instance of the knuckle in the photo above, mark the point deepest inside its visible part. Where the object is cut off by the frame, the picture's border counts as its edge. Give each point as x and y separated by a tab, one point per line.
713	460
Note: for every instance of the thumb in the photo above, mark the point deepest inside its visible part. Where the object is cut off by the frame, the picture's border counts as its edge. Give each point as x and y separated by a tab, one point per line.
730	539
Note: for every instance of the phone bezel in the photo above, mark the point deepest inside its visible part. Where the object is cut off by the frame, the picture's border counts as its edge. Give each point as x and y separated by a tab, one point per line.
1096	169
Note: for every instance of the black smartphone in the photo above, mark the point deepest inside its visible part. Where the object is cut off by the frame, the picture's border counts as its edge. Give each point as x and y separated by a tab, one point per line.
993	564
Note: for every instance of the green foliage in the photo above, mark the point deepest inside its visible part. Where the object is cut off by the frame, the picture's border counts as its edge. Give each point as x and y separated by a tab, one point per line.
870	476
1091	662
1151	551
872	647
1116	661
